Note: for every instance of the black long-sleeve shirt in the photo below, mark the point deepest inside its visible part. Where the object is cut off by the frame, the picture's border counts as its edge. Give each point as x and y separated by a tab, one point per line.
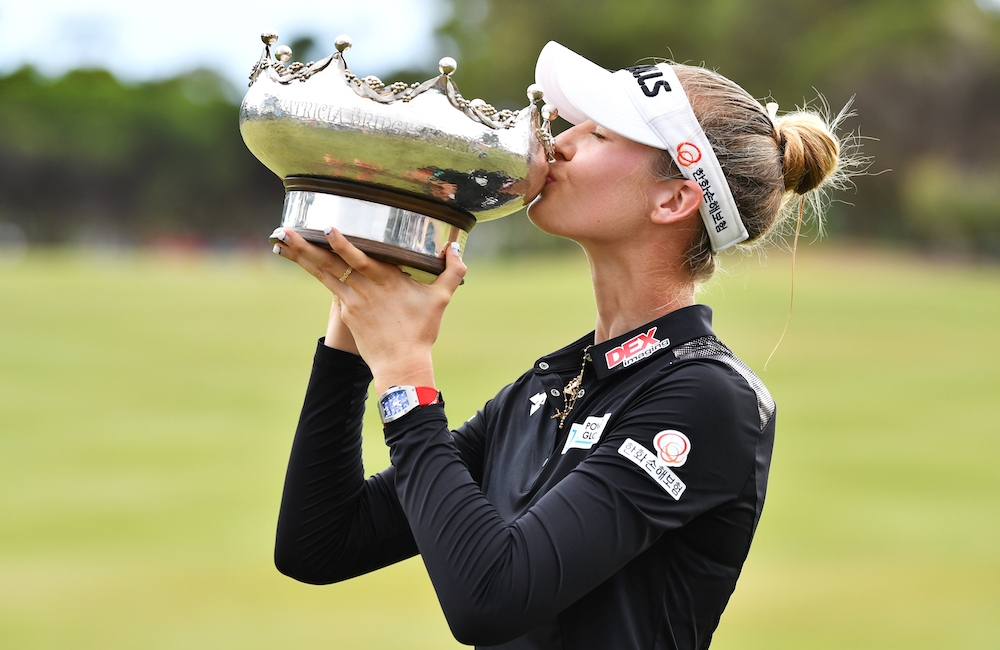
625	528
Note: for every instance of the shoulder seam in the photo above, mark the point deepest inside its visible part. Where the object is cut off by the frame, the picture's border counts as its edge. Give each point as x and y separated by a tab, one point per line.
709	347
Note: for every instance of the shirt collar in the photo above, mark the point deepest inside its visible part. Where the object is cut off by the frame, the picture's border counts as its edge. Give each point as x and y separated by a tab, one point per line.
637	346
652	339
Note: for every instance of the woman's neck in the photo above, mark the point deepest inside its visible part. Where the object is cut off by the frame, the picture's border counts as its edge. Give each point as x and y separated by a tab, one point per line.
634	287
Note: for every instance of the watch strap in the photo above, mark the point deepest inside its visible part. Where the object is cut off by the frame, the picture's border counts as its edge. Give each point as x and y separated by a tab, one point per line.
427	395
397	401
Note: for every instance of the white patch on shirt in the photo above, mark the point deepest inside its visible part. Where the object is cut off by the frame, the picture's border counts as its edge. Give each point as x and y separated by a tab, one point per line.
652	465
536	402
586	435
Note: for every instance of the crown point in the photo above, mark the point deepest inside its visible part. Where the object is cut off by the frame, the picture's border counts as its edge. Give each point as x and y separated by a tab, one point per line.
343	43
269	37
549	112
283	53
447	65
535	92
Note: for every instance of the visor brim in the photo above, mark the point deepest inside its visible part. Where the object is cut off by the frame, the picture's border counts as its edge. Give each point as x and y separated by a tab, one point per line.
582	90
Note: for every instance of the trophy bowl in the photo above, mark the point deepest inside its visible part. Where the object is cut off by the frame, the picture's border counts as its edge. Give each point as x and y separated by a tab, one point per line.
402	170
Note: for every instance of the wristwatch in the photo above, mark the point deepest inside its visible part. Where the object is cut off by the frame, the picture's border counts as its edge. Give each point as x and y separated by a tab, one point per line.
400	400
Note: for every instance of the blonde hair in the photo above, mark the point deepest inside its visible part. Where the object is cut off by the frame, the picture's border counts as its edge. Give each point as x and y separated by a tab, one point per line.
766	161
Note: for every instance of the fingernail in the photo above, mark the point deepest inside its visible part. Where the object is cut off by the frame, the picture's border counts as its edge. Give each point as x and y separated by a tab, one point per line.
455	246
328	230
277	249
278	234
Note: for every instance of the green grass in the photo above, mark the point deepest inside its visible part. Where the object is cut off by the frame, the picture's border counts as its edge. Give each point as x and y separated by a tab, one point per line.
147	404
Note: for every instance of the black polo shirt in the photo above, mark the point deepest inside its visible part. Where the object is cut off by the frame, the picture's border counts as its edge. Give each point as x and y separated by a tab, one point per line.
624	528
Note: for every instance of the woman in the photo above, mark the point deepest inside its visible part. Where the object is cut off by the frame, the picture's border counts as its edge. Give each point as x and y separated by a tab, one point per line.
607	498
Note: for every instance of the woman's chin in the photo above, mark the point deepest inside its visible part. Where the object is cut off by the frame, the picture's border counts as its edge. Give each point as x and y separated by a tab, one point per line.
537	212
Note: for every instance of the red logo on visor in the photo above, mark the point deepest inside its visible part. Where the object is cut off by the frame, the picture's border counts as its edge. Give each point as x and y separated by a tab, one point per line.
687	154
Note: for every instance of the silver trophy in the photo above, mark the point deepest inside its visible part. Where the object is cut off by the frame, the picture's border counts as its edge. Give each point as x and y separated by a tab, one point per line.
402	170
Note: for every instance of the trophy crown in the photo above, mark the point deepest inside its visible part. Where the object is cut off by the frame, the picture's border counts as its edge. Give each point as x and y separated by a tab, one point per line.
403	170
321	120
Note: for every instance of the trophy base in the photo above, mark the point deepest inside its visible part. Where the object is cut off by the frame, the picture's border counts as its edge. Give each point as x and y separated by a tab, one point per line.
408	231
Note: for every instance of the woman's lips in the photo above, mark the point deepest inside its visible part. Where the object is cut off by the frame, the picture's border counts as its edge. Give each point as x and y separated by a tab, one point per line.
549	179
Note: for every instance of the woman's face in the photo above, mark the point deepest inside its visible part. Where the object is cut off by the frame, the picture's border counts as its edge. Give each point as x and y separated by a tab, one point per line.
597	188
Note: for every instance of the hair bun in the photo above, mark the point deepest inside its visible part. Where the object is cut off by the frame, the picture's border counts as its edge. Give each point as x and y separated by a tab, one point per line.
811	150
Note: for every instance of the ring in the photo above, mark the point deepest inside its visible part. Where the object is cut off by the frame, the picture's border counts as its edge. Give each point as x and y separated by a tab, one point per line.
346	275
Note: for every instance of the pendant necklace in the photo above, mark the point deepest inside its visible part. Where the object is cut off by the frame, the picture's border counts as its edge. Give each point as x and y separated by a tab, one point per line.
573	390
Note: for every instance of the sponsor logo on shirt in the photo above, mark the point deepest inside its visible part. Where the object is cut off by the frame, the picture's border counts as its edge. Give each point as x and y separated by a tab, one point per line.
536	402
586	435
635	349
652	465
673	447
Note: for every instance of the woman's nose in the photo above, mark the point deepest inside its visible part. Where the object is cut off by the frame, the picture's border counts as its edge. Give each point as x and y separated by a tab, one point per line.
567	141
565	146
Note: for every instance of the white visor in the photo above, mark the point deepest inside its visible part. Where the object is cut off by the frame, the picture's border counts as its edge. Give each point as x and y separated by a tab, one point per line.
647	104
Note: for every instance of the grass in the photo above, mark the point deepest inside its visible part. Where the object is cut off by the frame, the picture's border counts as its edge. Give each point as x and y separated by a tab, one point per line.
147	404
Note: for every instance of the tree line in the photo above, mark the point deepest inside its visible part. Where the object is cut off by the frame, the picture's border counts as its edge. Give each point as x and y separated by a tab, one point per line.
87	157
86	154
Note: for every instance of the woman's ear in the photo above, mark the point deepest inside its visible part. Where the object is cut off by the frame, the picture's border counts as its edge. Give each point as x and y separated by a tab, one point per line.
674	200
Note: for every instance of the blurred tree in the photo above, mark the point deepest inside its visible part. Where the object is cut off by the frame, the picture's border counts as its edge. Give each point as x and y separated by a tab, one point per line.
956	208
304	49
771	47
84	154
926	72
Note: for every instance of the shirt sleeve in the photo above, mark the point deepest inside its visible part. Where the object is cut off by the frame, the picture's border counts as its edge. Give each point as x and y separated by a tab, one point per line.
686	447
497	580
333	523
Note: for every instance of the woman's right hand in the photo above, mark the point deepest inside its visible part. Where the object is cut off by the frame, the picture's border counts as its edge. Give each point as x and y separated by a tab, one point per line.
394	319
318	260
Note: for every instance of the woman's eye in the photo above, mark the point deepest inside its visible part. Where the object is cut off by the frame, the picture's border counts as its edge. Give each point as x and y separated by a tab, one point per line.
599	136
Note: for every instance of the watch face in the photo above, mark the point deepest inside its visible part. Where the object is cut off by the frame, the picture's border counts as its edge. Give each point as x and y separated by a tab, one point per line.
395	403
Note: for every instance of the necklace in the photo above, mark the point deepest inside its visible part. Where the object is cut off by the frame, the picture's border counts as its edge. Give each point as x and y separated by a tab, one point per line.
573	390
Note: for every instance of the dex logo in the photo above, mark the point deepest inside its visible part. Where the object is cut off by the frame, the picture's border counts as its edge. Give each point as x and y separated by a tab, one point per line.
644	73
638	347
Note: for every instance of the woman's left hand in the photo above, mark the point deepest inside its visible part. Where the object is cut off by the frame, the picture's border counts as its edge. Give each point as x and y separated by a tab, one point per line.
394	319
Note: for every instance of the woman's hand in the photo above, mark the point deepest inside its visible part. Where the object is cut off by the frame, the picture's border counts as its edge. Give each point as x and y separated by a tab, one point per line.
394	319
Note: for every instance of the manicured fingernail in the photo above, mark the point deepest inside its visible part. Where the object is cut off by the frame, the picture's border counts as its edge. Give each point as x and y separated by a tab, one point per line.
277	249
278	234
455	246
328	230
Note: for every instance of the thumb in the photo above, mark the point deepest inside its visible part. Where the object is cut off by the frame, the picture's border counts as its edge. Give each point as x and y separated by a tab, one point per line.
454	271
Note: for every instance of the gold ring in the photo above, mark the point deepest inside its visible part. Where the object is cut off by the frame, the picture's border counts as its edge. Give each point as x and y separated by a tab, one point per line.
347	274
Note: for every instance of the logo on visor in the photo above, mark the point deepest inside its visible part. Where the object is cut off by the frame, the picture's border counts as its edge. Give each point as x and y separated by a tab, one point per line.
644	73
687	154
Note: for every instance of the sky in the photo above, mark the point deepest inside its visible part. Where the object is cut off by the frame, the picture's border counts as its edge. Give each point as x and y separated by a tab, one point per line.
140	41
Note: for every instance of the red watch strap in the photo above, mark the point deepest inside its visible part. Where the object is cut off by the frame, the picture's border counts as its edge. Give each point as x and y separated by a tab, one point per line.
427	395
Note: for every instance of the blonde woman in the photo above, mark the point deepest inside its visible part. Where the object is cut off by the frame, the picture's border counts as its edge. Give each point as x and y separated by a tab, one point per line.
607	498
